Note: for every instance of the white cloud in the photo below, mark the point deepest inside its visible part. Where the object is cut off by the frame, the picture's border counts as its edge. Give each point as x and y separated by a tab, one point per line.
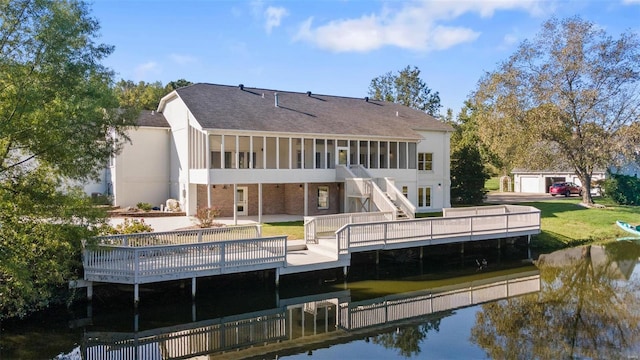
630	2
142	71
419	26
182	59
273	17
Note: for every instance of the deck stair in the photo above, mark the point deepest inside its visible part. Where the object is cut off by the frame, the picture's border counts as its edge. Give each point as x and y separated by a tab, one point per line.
400	214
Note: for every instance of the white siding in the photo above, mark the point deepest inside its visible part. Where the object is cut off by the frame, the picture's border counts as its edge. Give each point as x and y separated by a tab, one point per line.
141	171
438	179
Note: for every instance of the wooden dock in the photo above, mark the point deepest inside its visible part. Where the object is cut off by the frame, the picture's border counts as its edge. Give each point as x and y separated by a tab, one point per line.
154	257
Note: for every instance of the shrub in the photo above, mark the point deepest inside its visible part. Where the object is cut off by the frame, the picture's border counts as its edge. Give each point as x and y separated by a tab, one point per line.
100	199
144	206
206	216
623	189
128	226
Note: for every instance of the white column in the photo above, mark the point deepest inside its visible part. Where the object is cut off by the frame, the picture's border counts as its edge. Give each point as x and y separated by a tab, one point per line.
290	154
264	152
259	203
237	155
302	164
222	164
251	164
277	152
313	163
306	199
207	160
235	204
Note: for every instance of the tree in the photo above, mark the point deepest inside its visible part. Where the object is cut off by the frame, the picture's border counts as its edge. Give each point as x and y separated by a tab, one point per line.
406	88
583	310
145	95
141	95
569	96
173	85
468	170
58	118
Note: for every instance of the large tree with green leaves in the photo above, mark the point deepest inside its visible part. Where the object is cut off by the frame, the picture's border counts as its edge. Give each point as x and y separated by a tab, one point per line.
59	124
468	159
568	96
407	88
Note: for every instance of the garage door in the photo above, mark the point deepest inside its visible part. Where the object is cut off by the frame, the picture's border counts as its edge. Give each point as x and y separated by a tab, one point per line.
529	185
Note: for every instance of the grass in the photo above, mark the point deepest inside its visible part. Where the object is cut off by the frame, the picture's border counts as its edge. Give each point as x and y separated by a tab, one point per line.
564	223
493	184
293	229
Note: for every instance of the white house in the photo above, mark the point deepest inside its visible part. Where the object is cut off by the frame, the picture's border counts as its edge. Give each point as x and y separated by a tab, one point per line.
255	151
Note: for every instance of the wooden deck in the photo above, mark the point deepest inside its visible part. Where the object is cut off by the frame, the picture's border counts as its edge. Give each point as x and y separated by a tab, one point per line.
154	257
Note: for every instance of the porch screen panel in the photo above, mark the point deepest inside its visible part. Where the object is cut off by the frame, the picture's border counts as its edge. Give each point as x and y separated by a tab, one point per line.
229	151
331	163
284	156
308	153
393	155
364	153
258	149
321	154
353	152
402	164
215	145
373	151
244	152
413	161
271	152
383	164
296	153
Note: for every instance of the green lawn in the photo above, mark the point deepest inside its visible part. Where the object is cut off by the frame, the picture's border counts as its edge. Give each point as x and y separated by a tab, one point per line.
564	223
492	184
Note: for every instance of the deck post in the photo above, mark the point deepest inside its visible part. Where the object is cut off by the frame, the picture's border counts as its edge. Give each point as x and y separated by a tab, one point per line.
193	288
90	290
377	257
345	270
136	295
277	277
421	252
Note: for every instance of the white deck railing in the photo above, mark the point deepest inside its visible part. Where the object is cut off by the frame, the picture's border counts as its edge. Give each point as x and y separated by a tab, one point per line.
381	235
138	265
181	236
315	226
381	201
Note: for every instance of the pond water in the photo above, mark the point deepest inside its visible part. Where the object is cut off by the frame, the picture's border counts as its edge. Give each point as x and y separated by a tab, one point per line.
576	303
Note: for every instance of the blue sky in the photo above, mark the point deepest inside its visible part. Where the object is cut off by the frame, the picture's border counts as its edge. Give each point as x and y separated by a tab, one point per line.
332	46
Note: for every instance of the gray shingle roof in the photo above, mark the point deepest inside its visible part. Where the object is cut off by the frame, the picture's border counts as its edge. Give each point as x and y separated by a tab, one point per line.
152	119
231	108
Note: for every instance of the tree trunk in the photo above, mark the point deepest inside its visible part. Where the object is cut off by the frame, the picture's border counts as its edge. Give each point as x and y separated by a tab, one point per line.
585	179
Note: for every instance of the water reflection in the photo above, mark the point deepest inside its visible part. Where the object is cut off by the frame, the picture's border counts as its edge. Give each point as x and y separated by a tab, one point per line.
577	303
301	324
588	307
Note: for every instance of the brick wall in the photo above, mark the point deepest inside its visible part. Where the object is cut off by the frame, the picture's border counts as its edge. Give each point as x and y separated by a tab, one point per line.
276	199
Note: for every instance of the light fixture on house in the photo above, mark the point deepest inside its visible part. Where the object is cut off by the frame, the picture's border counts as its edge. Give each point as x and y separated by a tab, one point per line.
224	186
300	186
213	186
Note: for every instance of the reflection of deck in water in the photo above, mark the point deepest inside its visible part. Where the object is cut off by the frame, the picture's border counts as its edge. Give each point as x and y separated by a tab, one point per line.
323	320
156	257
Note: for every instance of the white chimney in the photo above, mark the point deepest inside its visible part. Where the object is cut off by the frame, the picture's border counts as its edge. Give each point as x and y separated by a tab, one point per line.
276	97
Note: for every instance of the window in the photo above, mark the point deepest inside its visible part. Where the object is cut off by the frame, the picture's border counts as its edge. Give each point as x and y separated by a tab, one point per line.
405	191
424	197
425	161
323	197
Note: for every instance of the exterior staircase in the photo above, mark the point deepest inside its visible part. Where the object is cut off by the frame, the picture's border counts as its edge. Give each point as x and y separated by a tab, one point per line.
400	214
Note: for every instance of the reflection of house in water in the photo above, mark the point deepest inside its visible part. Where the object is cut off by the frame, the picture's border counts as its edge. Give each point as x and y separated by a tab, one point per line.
298	324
